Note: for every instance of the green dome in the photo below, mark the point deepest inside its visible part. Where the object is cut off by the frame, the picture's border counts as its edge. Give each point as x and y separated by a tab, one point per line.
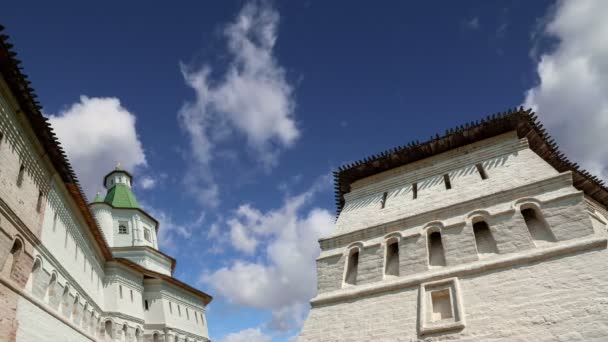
121	196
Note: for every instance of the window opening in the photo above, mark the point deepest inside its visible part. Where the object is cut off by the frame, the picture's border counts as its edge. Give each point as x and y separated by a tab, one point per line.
392	258
20	175
446	180
383	201
353	264
436	254
481	171
484	239
538	228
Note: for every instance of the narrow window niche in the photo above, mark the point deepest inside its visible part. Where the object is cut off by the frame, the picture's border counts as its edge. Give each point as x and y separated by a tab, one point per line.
481	171
20	175
352	265
446	180
392	257
383	200
435	248
414	190
440	307
486	245
537	226
40	201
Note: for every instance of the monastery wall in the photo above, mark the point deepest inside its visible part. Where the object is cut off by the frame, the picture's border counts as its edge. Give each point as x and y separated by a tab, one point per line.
515	255
23	187
559	299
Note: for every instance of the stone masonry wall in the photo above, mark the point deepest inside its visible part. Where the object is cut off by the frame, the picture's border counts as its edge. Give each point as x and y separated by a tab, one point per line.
561	299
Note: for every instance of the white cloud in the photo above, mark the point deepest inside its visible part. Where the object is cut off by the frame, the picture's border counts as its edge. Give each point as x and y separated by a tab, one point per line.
169	230
147	182
571	98
247	335
473	23
251	99
96	134
285	280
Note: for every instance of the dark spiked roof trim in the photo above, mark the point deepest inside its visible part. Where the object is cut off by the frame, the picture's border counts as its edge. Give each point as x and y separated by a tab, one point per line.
12	72
524	122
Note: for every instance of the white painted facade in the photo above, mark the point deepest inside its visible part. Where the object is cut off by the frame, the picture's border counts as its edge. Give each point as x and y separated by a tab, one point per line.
71	290
517	256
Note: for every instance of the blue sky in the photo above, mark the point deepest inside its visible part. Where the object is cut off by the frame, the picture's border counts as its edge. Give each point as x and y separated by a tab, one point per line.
233	114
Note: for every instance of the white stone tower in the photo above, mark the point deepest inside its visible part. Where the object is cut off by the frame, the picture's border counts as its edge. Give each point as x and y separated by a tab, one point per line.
129	230
485	234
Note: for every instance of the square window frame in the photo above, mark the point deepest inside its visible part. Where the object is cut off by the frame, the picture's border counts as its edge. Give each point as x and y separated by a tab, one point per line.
457	322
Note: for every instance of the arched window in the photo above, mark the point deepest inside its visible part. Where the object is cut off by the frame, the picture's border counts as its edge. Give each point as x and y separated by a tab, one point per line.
138	335
109	330
147	234
483	238
34	276
124	332
352	266
538	228
435	247
392	257
75	307
50	290
10	264
155	337
66	295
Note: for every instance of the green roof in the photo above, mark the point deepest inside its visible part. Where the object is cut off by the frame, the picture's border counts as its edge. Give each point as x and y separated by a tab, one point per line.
98	198
120	196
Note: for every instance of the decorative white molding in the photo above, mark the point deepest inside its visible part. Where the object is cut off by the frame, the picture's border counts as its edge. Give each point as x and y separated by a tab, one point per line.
457	321
43	306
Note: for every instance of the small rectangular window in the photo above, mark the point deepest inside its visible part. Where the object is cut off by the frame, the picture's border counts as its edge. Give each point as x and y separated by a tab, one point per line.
196	316
20	175
39	203
147	234
122	228
146	307
55	222
187	314
481	171
446	180
442	306
131	295
120	291
179	310
415	190
383	201
170	308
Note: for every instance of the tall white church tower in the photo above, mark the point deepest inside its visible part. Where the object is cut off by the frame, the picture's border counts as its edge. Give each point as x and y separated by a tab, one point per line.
129	230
